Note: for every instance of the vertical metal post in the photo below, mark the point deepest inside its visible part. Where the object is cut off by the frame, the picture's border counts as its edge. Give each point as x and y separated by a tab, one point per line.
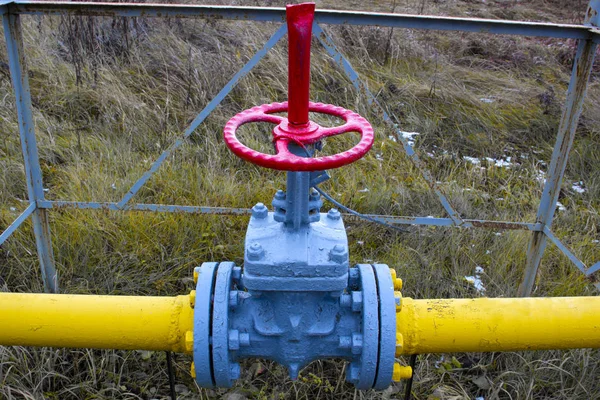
33	172
582	67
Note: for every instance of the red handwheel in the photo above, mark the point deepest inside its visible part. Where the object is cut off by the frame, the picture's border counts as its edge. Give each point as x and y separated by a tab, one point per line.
285	133
297	128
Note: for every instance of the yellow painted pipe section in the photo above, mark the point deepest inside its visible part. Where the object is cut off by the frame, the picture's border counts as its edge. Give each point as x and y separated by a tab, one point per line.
101	322
482	325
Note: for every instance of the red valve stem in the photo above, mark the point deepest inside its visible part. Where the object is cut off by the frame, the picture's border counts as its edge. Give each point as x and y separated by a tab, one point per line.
299	21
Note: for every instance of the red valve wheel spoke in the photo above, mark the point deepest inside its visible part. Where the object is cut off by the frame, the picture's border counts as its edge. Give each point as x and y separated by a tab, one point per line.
339	130
281	147
262	114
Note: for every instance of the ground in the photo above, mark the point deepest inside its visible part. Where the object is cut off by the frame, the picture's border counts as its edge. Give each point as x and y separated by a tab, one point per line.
111	94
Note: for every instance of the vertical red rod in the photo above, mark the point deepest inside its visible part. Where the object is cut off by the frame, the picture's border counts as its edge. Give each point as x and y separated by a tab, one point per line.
299	21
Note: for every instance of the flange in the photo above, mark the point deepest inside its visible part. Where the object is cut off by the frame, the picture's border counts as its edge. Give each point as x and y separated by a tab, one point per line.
387	326
202	324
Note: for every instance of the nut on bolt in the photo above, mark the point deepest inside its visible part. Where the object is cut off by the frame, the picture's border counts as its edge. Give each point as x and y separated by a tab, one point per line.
260	211
338	254
255	252
189	341
399	343
334	214
234	371
234	339
398	301
280	195
196	274
397	281
314	195
234	297
353	373
192	298
401	372
357	301
357	343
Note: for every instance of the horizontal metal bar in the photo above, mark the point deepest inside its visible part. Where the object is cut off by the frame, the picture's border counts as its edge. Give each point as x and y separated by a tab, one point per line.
335	17
469	223
400	220
92	205
17	222
578	263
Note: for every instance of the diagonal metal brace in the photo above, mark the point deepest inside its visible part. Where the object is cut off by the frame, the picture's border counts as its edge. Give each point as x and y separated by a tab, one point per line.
205	112
331	48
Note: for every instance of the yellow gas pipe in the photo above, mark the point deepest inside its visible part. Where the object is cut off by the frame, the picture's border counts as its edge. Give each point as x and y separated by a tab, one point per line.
484	324
101	322
423	326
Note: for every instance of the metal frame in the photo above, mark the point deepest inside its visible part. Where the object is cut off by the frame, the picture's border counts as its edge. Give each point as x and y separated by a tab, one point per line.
588	36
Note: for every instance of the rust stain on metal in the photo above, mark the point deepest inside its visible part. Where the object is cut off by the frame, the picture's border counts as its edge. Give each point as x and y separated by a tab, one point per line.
497	225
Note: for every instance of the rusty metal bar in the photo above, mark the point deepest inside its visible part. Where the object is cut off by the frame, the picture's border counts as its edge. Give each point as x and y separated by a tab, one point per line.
565	250
169	208
110	206
335	17
33	172
582	67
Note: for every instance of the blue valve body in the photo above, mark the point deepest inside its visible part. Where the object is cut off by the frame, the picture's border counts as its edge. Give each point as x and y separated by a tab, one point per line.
296	299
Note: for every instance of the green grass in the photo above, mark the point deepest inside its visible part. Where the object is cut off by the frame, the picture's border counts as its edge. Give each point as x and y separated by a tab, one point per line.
107	105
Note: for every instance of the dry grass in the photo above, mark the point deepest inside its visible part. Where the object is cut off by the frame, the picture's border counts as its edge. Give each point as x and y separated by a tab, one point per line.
107	104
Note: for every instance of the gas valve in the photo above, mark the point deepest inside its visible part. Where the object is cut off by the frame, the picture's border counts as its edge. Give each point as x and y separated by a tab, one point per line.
296	299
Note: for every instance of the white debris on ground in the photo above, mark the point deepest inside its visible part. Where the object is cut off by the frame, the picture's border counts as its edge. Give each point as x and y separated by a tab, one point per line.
472	160
541	177
561	206
595	241
578	187
486	100
392	138
13	209
439	362
379	156
476	281
410	137
498	162
501	163
365	190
